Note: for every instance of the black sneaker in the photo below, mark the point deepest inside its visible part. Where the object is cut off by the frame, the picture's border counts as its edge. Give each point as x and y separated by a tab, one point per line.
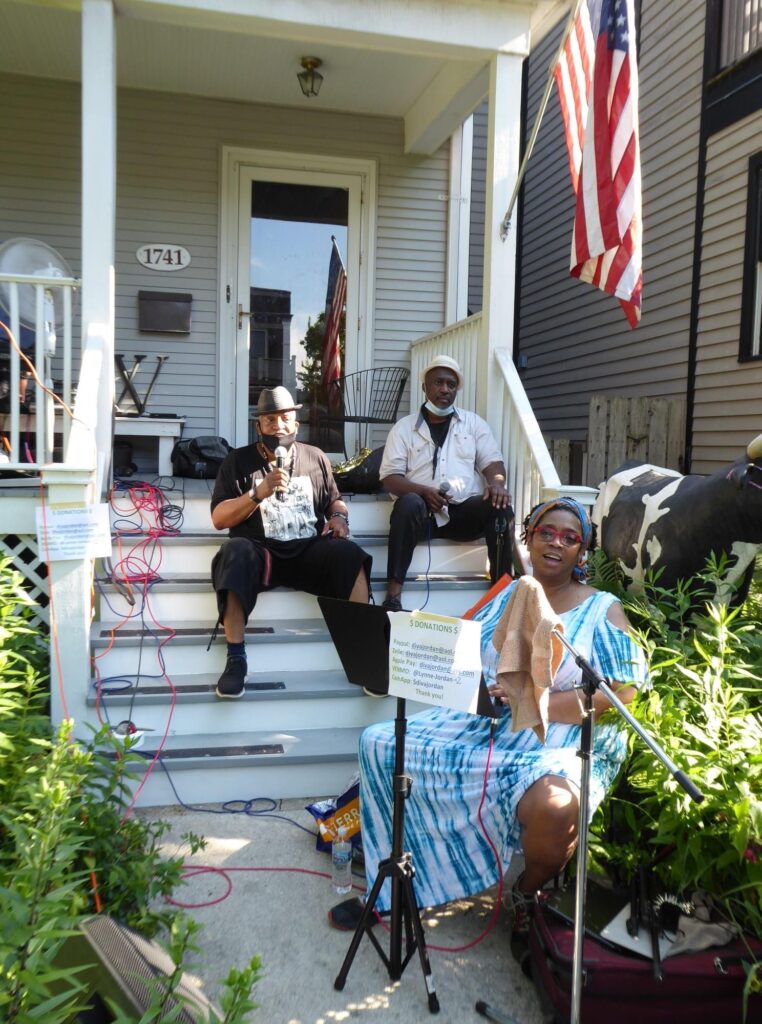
393	604
230	685
346	916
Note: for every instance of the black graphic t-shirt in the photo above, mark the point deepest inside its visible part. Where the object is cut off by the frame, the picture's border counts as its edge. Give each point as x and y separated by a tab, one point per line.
300	515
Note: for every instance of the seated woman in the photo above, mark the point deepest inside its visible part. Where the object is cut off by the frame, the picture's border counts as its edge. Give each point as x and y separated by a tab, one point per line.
532	788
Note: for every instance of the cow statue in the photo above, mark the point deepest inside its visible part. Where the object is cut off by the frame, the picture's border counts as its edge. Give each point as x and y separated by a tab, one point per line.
659	519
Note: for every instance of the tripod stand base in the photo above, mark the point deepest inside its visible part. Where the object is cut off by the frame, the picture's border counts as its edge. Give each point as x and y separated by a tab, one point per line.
404	910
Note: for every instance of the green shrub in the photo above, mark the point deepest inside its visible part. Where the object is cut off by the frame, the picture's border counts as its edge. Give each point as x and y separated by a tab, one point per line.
65	835
704	709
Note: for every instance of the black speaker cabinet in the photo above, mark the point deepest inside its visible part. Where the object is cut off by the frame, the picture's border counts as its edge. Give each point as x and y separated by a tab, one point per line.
126	968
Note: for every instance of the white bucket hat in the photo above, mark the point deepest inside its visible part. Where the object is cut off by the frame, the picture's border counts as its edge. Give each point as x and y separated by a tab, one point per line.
446	361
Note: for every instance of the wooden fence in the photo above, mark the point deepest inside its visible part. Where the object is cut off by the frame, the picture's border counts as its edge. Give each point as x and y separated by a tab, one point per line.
649	429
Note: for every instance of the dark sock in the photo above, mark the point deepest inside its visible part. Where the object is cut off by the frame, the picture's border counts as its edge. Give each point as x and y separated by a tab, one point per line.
237	650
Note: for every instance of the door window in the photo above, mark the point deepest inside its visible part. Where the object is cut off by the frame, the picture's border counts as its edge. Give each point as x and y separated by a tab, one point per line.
298	232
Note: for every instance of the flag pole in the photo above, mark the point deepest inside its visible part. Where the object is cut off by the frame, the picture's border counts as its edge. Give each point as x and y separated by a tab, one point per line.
505	225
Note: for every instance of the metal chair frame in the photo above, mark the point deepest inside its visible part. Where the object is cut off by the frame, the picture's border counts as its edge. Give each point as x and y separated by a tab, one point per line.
367	398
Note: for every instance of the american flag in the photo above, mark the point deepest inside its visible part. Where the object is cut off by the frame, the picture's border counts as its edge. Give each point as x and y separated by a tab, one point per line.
335	297
598	89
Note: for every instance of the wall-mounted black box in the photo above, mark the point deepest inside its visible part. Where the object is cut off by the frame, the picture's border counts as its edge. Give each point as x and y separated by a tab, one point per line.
164	312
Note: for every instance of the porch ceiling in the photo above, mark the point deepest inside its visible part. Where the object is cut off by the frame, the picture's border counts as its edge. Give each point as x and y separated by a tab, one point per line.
425	61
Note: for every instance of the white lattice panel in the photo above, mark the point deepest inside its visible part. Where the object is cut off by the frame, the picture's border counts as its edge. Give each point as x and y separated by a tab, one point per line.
23	551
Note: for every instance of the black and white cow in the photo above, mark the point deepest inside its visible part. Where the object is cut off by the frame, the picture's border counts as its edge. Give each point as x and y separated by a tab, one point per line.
657	518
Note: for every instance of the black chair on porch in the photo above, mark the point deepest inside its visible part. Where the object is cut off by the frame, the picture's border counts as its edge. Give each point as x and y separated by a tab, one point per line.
367	398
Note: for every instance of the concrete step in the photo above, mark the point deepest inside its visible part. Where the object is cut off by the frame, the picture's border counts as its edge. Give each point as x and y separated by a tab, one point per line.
273	701
278	764
190	596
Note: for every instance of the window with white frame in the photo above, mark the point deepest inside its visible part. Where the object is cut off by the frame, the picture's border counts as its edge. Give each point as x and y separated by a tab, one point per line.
751	308
740	30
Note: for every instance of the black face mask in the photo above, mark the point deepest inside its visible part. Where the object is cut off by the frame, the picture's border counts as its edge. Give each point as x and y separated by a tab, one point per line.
271	442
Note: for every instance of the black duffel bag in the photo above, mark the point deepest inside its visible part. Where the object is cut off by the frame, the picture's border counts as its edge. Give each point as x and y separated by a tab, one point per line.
360	475
199	457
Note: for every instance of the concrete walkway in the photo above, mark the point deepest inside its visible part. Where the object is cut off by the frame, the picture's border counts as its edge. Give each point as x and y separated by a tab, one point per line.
280	914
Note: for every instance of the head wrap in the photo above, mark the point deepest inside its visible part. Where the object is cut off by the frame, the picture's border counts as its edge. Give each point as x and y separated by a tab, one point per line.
586	527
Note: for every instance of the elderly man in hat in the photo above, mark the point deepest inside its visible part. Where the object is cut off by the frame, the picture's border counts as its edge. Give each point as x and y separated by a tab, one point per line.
287	526
445	471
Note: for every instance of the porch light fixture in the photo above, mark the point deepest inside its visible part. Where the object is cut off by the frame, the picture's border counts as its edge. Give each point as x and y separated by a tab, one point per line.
310	80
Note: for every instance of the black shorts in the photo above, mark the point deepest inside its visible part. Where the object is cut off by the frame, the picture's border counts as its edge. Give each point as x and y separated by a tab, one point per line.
326	566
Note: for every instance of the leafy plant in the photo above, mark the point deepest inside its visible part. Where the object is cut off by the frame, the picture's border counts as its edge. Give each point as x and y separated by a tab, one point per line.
703	708
67	844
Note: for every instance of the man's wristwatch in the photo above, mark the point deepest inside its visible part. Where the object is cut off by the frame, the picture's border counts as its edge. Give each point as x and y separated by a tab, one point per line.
253	493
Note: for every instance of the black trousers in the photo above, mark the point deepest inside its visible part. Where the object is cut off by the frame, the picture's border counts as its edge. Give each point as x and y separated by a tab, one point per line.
326	566
411	521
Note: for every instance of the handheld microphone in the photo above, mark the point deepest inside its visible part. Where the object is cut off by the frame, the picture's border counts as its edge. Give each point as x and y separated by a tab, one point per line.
444	488
280	462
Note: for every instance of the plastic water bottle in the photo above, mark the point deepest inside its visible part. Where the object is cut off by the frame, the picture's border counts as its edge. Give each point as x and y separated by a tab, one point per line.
341	863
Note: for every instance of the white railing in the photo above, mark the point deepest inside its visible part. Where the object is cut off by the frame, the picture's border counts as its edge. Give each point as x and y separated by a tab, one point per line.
531	475
30	410
461	342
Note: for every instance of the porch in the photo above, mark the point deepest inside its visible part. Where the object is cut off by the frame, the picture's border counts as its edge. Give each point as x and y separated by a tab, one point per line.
191	148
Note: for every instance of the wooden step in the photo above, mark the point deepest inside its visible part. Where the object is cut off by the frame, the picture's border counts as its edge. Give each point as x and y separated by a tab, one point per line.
189	596
274	700
248	765
271	644
192	552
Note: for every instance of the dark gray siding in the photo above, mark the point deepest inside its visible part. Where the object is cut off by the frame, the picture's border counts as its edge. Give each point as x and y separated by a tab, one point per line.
576	340
478	198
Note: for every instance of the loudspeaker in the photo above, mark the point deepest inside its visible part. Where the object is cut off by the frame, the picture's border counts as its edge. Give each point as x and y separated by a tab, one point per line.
126	968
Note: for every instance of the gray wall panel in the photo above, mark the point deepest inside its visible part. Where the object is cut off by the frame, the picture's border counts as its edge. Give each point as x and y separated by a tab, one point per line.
168	189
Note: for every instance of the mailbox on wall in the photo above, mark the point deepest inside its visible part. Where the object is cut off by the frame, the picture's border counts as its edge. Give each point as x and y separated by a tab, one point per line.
164	312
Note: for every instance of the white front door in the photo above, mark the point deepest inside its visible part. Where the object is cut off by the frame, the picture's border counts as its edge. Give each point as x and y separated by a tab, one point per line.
288	217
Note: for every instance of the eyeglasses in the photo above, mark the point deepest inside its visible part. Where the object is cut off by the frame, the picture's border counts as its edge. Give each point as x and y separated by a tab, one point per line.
547	534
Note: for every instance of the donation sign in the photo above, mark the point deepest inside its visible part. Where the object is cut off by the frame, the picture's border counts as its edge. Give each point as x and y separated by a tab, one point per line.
435	659
66	532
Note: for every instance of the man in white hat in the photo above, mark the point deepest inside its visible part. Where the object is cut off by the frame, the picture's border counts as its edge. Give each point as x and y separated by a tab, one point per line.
446	473
287	526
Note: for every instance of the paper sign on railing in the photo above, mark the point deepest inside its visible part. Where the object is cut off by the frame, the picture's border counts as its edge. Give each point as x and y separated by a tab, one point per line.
435	659
73	532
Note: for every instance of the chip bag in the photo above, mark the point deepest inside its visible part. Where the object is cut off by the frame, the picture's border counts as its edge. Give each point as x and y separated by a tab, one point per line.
338	812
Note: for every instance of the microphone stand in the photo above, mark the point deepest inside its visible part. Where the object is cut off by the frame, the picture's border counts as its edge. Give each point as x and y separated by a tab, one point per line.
592	680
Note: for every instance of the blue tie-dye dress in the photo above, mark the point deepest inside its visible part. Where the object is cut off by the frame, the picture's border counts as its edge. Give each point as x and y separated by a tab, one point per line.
446	754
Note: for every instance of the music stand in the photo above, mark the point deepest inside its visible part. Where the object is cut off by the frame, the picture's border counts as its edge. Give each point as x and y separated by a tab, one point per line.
361	635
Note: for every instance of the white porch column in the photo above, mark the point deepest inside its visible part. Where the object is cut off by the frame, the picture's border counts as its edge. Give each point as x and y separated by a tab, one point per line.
69	584
459	221
504	135
99	206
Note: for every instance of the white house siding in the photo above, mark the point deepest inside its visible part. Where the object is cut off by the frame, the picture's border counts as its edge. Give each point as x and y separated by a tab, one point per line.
40	164
576	339
728	402
168	189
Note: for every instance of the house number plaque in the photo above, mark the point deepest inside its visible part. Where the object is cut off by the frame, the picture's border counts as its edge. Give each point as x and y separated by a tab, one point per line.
162	256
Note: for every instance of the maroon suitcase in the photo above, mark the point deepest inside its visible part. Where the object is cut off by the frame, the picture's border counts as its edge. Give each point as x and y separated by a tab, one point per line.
696	988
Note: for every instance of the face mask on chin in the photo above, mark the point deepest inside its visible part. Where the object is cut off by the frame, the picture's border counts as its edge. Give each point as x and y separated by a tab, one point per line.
272	441
436	411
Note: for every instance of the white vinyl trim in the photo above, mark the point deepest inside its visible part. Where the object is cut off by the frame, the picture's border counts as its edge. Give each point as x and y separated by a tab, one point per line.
459	221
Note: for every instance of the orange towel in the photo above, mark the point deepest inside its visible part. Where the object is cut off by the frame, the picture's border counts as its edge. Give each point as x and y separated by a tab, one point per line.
529	654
